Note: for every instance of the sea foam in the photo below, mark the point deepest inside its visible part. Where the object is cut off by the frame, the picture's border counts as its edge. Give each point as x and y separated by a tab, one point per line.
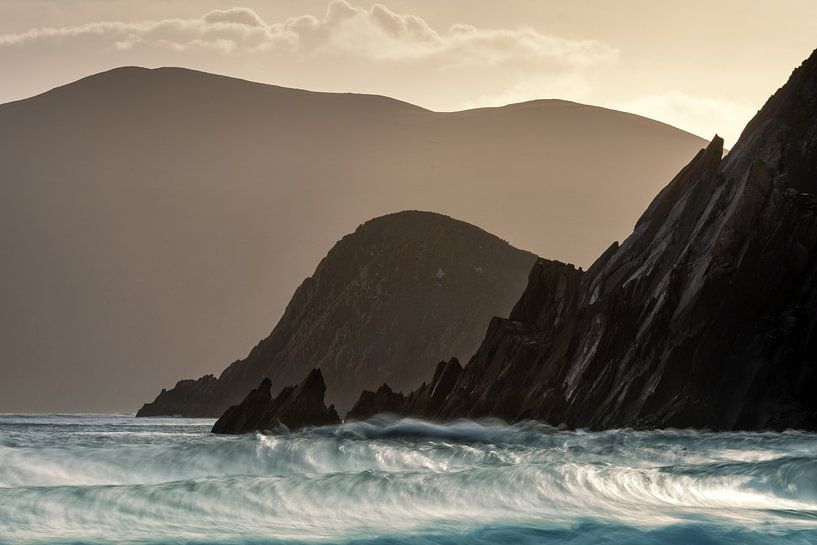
115	479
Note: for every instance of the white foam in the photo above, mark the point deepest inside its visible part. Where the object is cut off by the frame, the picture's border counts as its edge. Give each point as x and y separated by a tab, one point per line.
176	482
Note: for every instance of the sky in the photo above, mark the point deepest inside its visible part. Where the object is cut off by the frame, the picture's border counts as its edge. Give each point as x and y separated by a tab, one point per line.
703	66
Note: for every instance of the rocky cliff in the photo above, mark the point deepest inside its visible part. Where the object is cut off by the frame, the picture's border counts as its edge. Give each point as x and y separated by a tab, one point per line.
400	293
704	317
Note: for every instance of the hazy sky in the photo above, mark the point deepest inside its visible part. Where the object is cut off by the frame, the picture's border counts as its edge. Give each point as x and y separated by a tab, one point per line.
701	65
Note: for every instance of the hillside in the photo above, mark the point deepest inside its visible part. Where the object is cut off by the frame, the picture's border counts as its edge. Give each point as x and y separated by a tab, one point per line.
385	304
704	317
154	223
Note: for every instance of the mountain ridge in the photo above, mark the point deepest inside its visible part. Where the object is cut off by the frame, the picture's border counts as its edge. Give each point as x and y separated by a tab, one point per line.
155	222
105	77
190	73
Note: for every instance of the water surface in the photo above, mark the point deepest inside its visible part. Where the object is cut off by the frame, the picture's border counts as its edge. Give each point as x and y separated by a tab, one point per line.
117	479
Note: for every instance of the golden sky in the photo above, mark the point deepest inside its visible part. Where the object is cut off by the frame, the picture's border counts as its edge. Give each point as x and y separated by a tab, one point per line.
703	66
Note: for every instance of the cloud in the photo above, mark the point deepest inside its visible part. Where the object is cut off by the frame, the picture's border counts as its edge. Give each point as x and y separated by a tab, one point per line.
704	116
383	35
235	16
365	49
346	48
236	30
375	34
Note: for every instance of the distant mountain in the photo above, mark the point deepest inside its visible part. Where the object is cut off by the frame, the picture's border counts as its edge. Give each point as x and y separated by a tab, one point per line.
385	304
153	223
706	316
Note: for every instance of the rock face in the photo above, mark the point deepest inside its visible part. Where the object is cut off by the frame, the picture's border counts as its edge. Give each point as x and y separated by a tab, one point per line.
190	397
706	316
382	401
401	292
426	400
294	407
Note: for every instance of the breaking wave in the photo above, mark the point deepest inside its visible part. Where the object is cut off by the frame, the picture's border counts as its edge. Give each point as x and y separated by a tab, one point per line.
116	479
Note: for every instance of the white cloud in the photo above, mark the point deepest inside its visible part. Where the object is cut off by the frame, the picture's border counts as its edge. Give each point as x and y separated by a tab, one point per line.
352	48
347	48
241	28
704	116
376	34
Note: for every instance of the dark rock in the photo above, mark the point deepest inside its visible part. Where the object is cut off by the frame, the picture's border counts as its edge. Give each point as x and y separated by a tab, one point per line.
187	398
295	407
426	400
705	317
248	415
445	377
405	290
383	401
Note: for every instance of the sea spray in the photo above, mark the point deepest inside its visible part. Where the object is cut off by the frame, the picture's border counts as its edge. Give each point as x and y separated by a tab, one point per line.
115	479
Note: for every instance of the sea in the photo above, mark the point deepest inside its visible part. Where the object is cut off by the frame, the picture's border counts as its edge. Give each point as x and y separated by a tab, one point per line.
116	479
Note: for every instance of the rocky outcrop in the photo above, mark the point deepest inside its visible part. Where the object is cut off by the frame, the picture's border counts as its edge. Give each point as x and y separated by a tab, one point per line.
426	400
382	401
188	398
401	292
705	317
294	407
248	415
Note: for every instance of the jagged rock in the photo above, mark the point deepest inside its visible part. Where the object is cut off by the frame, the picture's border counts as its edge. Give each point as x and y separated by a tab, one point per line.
294	407
706	316
248	415
383	401
445	377
375	310
427	399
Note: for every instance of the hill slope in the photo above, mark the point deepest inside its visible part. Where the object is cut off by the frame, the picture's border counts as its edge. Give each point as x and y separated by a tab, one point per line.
386	303
153	223
705	317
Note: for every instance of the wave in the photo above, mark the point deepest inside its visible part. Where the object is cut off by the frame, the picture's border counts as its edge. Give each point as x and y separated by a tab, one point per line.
119	480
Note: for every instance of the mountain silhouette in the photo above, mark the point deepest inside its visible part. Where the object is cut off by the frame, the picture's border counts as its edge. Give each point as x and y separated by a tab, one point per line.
154	223
385	304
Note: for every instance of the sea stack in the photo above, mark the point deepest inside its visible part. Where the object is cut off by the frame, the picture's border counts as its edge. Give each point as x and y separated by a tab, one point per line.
293	408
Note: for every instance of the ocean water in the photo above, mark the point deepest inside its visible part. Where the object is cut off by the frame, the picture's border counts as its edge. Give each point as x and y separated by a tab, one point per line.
117	479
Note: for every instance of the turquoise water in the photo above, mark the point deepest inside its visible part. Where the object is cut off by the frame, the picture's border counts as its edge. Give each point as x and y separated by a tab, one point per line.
117	479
